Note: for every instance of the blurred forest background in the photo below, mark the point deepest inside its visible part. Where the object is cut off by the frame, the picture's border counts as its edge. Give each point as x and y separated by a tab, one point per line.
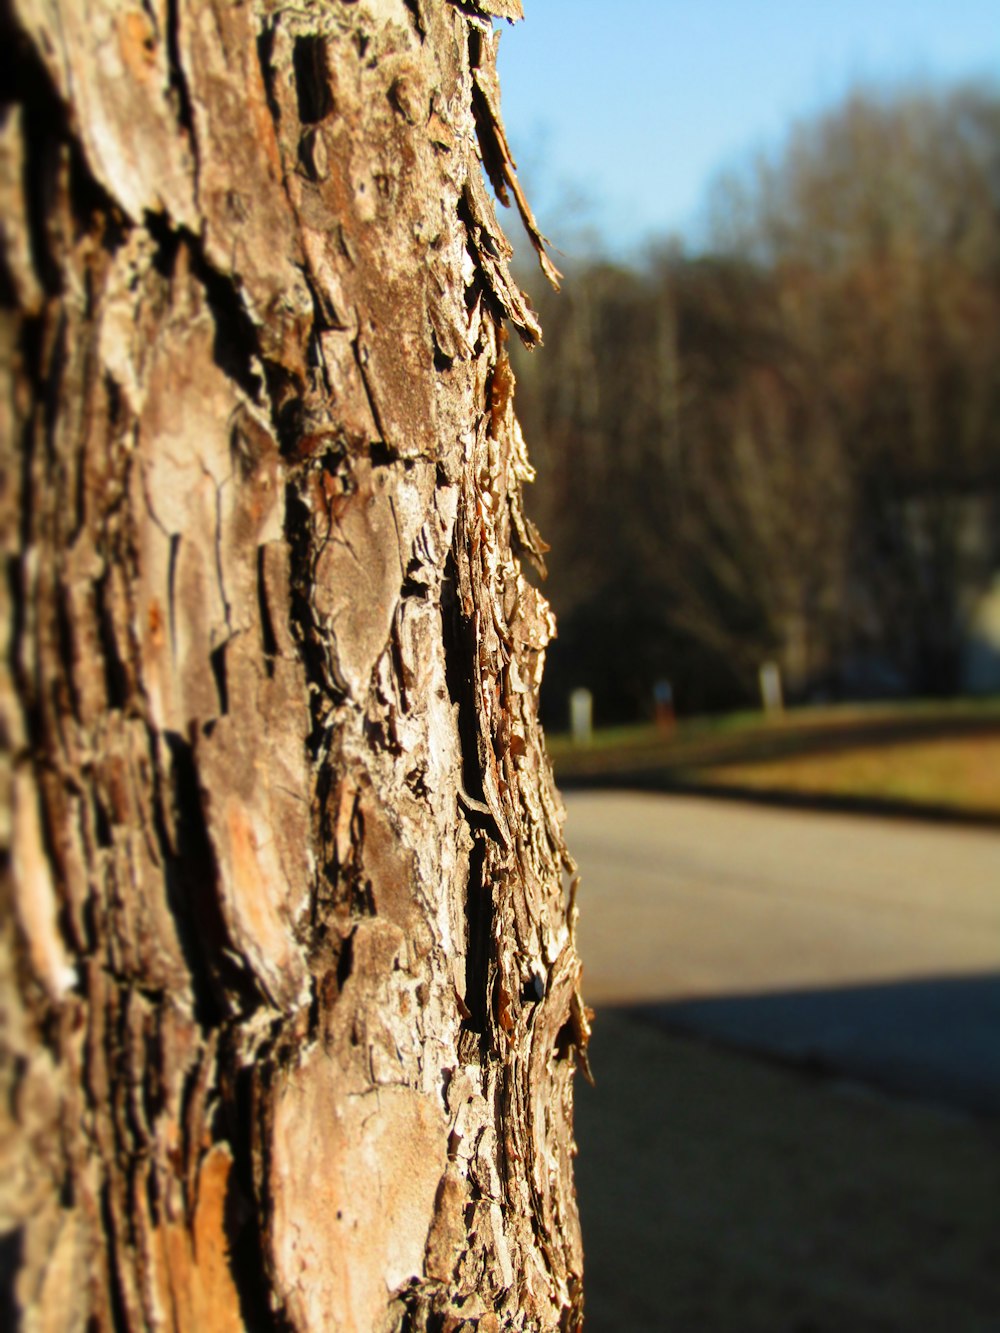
785	446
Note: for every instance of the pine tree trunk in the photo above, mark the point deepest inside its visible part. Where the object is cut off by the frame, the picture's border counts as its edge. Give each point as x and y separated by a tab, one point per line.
290	1009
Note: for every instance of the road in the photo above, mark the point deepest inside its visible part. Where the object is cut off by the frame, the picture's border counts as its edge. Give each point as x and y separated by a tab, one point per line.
867	945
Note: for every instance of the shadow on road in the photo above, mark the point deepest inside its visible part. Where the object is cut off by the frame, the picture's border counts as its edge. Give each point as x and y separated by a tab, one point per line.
935	1039
845	1176
724	1193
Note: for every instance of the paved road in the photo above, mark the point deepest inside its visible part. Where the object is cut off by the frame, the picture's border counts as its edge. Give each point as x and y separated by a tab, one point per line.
869	945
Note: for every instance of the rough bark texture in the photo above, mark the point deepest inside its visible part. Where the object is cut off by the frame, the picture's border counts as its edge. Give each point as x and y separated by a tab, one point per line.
289	992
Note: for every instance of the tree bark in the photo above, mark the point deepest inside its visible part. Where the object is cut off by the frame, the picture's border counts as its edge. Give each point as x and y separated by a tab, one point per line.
290	1006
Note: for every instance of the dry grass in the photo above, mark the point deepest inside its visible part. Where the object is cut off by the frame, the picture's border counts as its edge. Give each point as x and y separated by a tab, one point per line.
960	772
930	756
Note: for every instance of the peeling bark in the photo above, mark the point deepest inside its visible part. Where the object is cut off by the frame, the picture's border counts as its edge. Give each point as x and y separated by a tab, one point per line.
290	1006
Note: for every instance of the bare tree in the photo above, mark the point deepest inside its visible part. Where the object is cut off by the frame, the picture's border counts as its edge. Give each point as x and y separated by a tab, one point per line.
879	223
290	1005
786	447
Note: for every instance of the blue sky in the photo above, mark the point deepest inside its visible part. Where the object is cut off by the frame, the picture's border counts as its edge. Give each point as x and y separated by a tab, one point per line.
620	112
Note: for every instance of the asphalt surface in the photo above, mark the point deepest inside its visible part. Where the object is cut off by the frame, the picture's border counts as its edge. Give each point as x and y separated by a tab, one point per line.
864	947
721	1193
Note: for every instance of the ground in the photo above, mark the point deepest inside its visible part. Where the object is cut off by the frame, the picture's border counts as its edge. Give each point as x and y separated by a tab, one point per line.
759	975
930	758
722	1195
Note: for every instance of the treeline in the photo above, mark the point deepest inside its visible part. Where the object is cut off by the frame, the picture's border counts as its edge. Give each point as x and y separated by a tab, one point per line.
787	447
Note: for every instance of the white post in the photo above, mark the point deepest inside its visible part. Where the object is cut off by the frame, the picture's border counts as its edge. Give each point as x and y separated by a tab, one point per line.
581	716
770	688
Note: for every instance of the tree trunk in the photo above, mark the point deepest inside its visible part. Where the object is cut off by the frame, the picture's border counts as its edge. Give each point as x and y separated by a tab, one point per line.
290	1005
